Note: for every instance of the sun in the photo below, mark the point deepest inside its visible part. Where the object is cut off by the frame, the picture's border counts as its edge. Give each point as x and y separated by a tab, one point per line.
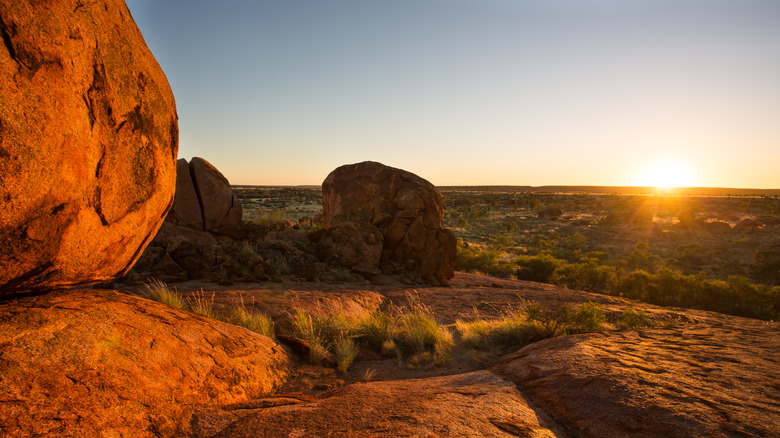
665	175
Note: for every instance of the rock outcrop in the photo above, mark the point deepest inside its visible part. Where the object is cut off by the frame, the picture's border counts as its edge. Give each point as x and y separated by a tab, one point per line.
466	405
708	379
388	219
204	200
199	238
88	143
101	363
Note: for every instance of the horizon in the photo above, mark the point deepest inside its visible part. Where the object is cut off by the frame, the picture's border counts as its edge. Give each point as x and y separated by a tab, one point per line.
477	93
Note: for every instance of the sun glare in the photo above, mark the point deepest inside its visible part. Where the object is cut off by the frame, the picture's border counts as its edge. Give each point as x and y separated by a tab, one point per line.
665	175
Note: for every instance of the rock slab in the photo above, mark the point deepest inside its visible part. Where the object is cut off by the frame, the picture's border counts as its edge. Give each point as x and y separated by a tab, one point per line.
402	208
88	143
477	404
709	379
100	363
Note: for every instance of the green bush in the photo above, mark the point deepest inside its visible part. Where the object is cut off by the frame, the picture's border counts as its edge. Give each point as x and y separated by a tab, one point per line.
634	319
511	329
539	267
766	266
472	259
735	296
588	275
566	319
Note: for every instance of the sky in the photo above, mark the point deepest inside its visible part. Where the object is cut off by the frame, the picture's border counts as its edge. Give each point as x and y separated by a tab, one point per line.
476	92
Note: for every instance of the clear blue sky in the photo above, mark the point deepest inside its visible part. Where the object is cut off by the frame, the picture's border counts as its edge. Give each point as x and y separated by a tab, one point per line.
522	92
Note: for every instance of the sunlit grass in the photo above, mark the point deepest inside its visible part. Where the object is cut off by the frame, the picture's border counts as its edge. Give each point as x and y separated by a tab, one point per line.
160	292
199	304
256	322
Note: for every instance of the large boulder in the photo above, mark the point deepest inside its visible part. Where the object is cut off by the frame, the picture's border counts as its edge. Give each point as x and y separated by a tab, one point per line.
88	143
98	363
204	199
406	209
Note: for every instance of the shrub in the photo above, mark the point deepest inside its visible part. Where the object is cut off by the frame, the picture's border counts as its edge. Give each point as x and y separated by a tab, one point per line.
537	268
533	324
472	259
634	319
766	266
588	318
588	275
160	292
564	320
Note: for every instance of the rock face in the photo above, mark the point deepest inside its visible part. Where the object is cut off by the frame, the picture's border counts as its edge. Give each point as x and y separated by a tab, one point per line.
102	364
693	380
204	200
200	233
367	201
466	405
88	143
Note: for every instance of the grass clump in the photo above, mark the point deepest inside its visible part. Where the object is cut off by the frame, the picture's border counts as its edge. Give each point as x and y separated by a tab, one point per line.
376	332
566	319
160	292
634	319
511	329
409	332
369	375
420	339
530	324
256	322
345	351
201	305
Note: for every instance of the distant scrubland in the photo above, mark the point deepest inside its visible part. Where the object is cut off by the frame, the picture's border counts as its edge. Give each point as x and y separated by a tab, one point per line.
718	253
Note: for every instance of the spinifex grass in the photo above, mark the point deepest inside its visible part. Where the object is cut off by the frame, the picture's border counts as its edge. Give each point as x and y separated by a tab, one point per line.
201	305
160	292
410	331
532	323
345	351
420	339
256	322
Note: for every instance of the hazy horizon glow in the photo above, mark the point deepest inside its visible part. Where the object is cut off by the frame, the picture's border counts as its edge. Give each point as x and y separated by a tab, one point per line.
476	92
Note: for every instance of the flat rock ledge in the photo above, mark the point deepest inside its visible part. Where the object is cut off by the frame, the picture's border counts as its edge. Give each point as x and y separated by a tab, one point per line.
708	379
477	404
100	363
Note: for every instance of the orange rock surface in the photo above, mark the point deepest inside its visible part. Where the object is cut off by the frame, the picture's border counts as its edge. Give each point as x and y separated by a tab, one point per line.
88	143
92	363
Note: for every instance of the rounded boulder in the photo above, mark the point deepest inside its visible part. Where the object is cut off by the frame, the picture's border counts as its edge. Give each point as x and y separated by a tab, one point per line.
88	143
